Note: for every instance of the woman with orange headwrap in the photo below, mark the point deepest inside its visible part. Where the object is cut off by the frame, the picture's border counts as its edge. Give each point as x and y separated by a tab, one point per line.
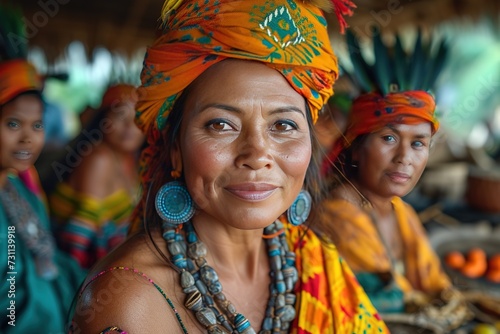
39	281
229	95
379	159
97	189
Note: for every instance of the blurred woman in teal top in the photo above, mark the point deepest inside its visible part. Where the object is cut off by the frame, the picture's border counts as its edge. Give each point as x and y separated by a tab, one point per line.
38	281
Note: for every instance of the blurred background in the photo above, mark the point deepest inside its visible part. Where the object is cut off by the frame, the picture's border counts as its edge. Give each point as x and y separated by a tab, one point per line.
82	46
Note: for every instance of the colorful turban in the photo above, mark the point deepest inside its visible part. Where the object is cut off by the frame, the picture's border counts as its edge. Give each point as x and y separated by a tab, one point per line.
112	97
17	77
371	112
287	35
117	94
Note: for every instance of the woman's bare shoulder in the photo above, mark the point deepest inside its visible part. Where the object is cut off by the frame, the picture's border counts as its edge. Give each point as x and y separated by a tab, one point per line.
126	289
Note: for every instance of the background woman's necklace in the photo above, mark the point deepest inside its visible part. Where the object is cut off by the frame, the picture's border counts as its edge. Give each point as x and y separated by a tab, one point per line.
201	283
38	240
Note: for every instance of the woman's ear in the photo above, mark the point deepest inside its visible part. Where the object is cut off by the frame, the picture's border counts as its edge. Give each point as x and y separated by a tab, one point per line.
176	158
357	147
355	153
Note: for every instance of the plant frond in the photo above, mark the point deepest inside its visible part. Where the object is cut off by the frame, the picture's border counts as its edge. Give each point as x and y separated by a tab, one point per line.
392	66
13	40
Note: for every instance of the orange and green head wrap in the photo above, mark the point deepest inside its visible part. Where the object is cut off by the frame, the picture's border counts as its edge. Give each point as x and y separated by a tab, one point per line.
371	112
16	77
287	35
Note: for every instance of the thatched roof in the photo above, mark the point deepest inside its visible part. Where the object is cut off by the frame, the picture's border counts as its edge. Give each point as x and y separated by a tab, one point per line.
127	25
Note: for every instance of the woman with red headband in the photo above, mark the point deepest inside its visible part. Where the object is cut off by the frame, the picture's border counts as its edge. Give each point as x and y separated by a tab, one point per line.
229	95
379	159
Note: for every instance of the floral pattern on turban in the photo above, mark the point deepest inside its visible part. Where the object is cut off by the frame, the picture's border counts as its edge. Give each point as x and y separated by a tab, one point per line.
289	36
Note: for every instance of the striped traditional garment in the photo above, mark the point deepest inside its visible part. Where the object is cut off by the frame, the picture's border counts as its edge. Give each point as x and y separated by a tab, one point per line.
105	222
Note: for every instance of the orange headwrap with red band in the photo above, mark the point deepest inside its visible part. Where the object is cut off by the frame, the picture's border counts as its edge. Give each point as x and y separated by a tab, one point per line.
371	112
16	77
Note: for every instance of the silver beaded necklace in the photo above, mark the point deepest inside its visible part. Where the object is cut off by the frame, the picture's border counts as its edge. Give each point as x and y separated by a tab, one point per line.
37	238
204	296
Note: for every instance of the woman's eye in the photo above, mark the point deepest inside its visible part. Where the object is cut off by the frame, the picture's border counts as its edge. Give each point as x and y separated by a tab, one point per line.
389	138
284	126
418	144
219	125
38	126
12	124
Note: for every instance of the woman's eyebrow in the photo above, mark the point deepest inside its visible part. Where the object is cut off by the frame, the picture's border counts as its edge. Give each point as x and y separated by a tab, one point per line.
238	110
289	109
219	106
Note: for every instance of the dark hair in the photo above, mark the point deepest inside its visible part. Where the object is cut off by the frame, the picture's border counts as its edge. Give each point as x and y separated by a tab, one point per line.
344	167
341	171
161	165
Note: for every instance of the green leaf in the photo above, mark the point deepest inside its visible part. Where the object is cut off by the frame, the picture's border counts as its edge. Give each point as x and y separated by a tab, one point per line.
360	68
417	64
437	65
400	64
382	68
13	42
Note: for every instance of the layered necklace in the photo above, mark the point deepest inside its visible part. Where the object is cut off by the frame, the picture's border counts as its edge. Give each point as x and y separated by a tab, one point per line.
203	289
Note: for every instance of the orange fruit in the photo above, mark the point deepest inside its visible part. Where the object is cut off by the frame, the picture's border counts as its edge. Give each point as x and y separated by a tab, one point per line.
474	269
455	260
493	275
476	254
494	262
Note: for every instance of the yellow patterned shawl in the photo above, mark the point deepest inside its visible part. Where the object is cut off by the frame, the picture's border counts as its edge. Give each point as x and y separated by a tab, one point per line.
329	298
358	242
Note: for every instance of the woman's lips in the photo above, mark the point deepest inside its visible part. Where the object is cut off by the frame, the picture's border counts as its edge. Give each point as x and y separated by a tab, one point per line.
399	177
252	191
23	155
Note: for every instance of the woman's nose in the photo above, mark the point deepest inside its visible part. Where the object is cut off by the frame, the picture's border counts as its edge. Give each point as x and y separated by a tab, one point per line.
254	151
26	136
403	155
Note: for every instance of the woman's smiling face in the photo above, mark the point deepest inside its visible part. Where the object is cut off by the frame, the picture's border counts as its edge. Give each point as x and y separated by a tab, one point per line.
244	145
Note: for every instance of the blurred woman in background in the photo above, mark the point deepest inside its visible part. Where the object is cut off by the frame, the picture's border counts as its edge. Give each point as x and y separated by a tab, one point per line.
98	179
38	280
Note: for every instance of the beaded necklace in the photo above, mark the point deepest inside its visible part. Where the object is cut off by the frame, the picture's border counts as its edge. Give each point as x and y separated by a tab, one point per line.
201	283
37	238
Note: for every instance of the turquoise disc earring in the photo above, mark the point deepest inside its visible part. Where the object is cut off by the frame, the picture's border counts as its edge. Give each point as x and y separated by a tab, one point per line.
174	204
300	209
